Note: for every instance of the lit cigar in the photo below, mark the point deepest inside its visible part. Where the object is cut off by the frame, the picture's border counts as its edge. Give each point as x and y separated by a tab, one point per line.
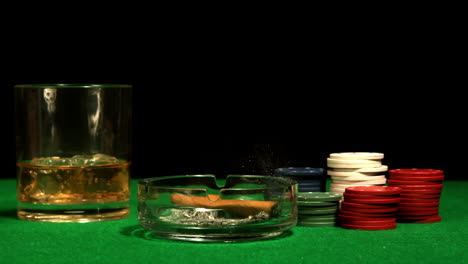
239	207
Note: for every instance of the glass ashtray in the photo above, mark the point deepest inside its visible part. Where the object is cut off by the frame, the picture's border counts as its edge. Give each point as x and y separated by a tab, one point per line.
205	209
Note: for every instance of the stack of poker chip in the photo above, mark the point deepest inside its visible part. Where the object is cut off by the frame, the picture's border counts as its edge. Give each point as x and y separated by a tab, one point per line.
308	179
317	208
420	196
348	169
369	207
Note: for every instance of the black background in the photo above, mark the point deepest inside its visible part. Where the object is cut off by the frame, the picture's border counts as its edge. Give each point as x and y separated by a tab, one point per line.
184	129
248	107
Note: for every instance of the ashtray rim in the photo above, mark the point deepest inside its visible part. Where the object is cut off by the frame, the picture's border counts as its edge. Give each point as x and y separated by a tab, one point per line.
147	181
300	171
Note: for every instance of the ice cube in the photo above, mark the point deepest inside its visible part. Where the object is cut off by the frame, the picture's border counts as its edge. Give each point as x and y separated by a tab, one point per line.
50	161
101	159
77	160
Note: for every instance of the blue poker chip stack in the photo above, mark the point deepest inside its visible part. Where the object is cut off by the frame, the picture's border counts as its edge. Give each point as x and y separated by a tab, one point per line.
308	179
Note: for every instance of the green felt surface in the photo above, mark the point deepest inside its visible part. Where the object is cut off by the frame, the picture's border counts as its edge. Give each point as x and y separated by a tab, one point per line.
124	241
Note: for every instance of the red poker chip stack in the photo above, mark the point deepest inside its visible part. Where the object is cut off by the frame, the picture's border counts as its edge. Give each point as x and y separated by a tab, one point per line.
420	195
369	207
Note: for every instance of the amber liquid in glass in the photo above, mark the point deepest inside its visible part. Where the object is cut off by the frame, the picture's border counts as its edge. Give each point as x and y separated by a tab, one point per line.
62	193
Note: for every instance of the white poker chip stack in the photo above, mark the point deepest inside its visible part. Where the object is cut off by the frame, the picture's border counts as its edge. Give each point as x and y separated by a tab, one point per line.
355	169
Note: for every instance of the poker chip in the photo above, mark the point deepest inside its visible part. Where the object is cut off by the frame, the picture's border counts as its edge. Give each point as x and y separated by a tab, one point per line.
309	183
425	204
419	196
359	205
315	224
318	188
428	220
421	190
339	173
416	208
341	185
320	218
316	218
367	196
411	182
419	178
374	190
390	221
416	172
318	196
373	201
316	203
377	215
305	189
382	168
311	188
370	210
303	210
420	200
369	227
416	213
407	187
308	179
360	218
358	178
423	220
351	164
335	189
357	169
360	183
376	207
338	186
297	171
317	208
358	155
416	217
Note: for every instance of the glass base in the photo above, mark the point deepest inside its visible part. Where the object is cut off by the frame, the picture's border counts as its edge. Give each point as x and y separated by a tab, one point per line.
225	234
223	239
72	214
